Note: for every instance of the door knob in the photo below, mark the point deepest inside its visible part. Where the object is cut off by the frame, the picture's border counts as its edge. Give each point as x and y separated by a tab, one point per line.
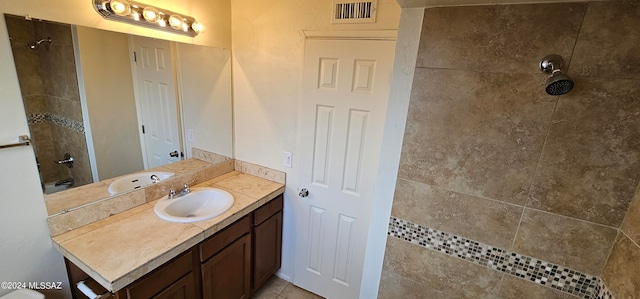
173	154
303	192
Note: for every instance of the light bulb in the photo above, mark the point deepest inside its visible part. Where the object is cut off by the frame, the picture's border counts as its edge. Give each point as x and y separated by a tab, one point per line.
150	14
120	7
136	16
175	21
197	27
162	23
185	27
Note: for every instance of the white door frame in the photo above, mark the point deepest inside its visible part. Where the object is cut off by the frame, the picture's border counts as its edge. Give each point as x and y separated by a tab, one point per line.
382	204
404	65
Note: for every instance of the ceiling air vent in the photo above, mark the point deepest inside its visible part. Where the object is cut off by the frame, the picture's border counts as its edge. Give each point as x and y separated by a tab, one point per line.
354	12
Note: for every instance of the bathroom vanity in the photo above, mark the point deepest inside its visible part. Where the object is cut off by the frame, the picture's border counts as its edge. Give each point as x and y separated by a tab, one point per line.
135	254
233	263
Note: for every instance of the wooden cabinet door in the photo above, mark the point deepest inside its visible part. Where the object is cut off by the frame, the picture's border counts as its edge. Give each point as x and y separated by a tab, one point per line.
267	248
175	279
227	275
184	288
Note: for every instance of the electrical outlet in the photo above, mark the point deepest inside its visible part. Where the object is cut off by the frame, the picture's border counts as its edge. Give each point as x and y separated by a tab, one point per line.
287	159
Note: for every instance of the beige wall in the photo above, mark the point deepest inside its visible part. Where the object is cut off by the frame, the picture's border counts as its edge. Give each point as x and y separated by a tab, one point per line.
108	86
204	74
488	156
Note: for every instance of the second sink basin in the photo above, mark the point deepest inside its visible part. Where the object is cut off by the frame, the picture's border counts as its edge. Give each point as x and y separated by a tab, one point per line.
137	180
201	204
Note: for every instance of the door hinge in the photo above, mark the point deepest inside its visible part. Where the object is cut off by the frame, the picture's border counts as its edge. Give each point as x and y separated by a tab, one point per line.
142	129
182	155
135	57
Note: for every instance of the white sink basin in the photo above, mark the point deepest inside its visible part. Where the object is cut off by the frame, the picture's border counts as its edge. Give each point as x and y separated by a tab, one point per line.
201	204
137	180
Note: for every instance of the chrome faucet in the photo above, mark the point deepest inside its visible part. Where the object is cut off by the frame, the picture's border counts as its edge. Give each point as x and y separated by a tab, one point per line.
184	191
172	193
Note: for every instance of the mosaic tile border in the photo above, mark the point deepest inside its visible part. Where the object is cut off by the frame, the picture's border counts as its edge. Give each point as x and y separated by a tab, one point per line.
602	291
55	119
525	267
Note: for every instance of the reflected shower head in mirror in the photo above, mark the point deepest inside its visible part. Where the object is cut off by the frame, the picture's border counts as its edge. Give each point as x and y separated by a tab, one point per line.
34	46
558	83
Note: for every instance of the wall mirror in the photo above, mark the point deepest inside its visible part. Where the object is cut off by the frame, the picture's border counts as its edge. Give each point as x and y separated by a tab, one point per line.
97	110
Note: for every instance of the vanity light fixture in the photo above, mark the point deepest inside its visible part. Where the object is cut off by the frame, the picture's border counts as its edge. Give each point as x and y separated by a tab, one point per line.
147	16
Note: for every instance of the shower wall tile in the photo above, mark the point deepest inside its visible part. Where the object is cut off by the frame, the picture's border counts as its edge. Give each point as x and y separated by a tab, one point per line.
42	140
513	287
28	69
609	42
436	271
622	274
59	71
65	108
60	33
502	38
34	104
581	245
60	78
20	30
475	133
74	143
631	224
484	220
591	162
393	286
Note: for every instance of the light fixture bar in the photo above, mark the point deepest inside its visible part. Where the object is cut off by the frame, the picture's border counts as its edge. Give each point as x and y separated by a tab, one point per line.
149	16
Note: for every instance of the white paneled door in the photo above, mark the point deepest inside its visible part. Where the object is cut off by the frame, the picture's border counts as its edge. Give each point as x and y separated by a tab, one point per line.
343	106
157	101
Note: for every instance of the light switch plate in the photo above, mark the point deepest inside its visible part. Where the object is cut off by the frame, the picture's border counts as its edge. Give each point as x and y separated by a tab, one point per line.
287	159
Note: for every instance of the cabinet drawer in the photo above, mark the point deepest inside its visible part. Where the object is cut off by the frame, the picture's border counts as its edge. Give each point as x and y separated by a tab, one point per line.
271	208
166	275
224	237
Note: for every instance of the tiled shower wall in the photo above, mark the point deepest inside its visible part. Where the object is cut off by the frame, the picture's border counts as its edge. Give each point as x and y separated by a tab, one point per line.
49	86
489	157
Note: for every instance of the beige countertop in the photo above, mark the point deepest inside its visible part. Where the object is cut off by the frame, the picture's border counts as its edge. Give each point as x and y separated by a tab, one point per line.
118	250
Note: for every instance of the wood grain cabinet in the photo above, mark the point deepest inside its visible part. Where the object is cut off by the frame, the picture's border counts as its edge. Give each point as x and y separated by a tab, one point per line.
226	262
176	279
267	242
232	264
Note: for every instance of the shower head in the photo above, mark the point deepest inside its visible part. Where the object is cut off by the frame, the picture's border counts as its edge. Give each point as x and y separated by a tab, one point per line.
34	46
558	83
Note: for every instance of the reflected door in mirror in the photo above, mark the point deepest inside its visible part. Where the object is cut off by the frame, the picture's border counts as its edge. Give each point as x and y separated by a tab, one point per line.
156	97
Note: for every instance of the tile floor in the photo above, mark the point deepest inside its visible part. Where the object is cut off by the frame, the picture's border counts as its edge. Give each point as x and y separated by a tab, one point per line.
277	288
